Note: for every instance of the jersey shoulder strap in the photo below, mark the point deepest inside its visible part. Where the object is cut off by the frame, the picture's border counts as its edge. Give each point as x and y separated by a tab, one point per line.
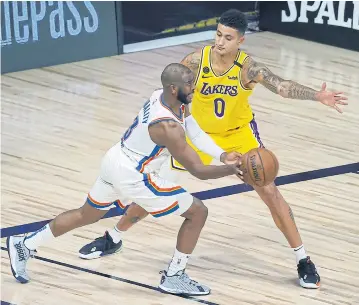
242	57
203	67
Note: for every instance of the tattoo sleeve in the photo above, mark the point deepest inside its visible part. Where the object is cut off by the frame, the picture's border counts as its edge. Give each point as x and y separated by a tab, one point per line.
192	61
285	88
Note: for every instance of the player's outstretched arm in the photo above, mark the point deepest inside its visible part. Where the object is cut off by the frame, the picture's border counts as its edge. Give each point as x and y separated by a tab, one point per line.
171	135
289	89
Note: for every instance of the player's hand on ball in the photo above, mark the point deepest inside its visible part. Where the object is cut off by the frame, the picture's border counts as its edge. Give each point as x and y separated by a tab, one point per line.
234	159
231	158
238	172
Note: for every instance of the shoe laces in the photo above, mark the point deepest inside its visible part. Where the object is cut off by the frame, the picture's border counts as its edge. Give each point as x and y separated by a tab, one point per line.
183	276
107	239
104	236
309	267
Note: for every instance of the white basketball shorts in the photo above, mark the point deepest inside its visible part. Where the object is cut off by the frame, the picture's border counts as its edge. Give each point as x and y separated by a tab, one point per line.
119	184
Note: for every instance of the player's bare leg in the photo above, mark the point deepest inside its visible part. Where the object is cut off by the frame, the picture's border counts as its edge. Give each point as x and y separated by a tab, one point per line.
284	219
195	218
112	241
281	212
175	280
73	219
21	248
133	215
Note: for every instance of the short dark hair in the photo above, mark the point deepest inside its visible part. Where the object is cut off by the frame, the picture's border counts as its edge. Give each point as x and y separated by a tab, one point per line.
234	19
173	74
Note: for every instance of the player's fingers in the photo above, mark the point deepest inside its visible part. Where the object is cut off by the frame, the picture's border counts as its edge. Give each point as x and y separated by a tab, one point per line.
236	155
235	162
239	172
337	109
240	177
324	86
343	98
341	103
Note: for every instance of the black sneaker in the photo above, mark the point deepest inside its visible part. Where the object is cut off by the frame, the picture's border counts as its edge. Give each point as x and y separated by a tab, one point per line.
100	247
307	273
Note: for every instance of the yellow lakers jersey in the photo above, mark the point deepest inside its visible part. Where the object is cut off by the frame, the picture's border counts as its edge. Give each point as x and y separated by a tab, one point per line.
220	102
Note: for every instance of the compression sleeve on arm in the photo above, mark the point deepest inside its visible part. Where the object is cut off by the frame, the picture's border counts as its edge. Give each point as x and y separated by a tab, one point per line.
202	140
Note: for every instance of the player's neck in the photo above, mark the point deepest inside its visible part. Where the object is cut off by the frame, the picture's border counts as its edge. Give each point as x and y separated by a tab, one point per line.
223	60
172	103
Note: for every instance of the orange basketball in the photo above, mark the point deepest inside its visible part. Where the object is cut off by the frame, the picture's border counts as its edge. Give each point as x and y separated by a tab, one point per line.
260	167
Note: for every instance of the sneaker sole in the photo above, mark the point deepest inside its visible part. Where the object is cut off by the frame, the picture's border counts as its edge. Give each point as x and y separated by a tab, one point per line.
98	254
20	279
175	291
308	285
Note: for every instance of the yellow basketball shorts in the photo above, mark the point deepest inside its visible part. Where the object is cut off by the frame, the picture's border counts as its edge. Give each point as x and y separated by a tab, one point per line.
240	140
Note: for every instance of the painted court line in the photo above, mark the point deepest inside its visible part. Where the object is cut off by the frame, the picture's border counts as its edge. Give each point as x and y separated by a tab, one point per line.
113	277
210	194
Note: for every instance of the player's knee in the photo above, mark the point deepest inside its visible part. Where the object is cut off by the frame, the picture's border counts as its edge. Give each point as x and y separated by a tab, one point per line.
269	192
84	217
201	211
197	213
137	211
205	213
88	215
271	196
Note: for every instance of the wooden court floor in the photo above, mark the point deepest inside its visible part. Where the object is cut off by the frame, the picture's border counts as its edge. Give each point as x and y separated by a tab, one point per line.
57	122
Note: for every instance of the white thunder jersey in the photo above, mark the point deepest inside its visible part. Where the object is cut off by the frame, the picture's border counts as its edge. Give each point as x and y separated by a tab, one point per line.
137	143
137	170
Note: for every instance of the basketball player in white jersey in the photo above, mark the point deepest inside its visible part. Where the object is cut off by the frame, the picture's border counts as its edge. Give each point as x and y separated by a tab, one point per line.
131	172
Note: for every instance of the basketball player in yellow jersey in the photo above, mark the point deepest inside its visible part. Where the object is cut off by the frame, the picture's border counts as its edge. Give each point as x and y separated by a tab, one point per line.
221	105
225	79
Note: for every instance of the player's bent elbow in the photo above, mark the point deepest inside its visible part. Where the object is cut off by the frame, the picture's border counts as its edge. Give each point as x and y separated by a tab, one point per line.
201	176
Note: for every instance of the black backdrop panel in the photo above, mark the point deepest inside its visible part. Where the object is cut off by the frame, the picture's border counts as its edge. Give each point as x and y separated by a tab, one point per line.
148	20
329	22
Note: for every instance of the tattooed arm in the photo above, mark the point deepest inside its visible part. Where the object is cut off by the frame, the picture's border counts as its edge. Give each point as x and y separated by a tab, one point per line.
285	88
193	61
255	71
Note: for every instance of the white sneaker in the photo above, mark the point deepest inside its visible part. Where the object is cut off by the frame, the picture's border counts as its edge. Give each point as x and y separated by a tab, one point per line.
181	283
19	255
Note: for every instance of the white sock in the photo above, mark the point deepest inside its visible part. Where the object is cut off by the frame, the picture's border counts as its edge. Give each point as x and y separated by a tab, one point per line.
116	235
178	263
300	253
38	238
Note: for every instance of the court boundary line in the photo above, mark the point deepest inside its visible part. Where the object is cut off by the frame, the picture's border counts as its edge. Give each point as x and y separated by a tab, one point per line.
210	194
117	278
